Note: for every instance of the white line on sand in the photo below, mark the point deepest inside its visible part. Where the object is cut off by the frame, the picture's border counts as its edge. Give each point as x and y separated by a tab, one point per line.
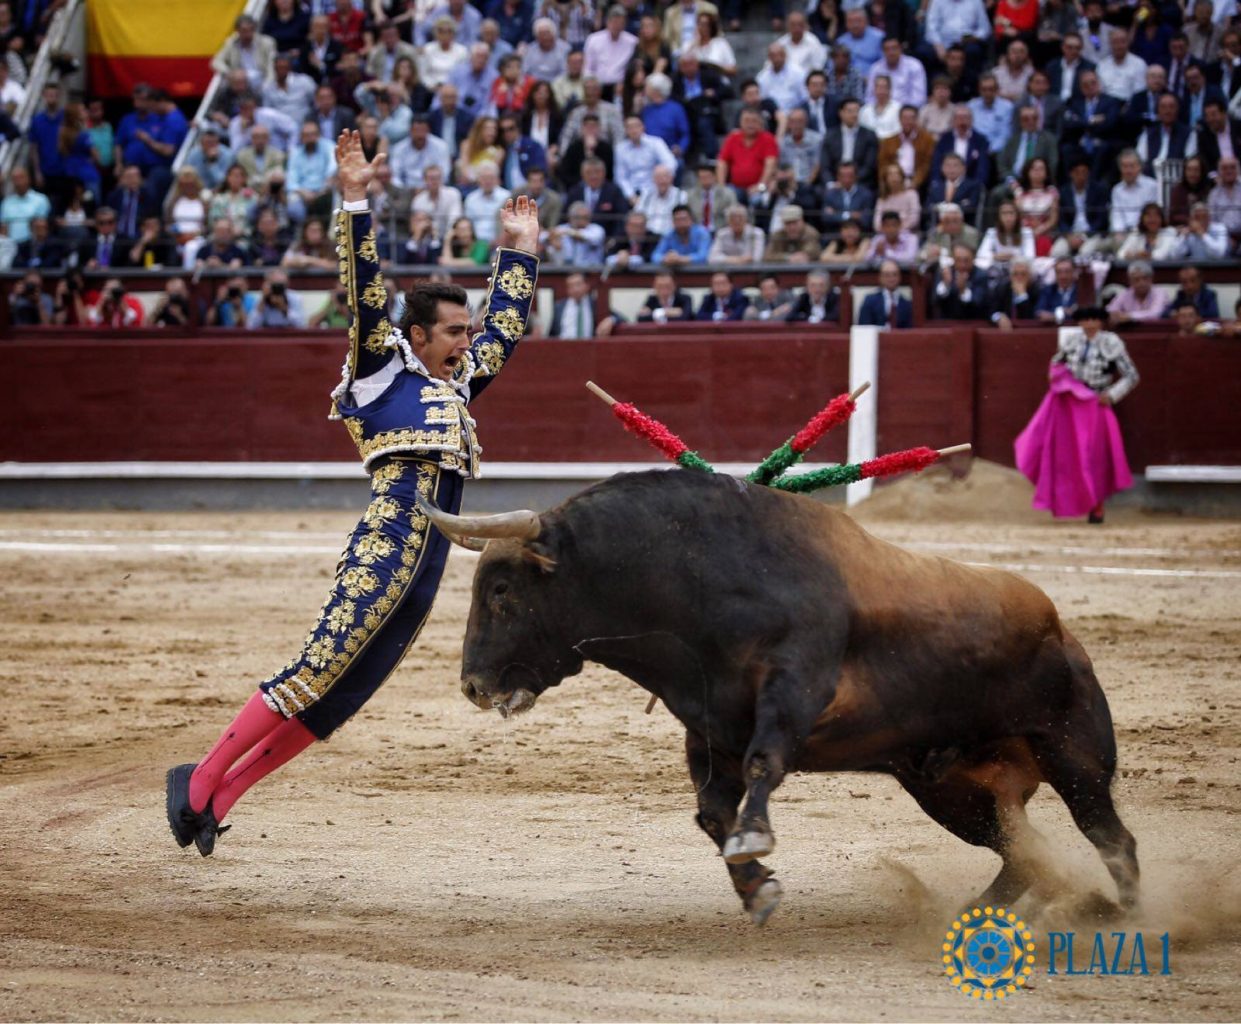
1111	570
1016	546
133	550
993	547
137	550
141	534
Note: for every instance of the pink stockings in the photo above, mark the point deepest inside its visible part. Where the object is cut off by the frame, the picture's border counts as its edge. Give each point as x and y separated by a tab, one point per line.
263	739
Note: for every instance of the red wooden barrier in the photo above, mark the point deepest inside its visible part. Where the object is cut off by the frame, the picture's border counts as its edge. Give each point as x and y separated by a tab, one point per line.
734	395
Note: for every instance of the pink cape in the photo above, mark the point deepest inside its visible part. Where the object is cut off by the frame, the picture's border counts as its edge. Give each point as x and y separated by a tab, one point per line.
1071	449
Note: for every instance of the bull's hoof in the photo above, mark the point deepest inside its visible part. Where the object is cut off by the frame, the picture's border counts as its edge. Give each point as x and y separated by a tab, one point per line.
764	901
743	847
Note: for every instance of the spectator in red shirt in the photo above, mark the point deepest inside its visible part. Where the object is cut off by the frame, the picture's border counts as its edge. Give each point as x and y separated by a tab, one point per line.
114	307
346	24
747	160
510	88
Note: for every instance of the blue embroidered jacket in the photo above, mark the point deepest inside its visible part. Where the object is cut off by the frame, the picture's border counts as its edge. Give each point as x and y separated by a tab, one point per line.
419	414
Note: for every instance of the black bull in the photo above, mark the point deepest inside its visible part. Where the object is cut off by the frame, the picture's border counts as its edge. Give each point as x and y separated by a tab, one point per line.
786	638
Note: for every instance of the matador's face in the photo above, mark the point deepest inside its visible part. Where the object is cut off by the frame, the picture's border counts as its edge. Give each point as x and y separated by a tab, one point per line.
445	345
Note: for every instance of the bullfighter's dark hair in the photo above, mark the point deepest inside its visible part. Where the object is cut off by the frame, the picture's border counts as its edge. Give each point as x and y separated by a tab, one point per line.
422	304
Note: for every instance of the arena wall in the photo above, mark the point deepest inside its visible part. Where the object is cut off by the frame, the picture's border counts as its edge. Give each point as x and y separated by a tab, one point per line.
82	396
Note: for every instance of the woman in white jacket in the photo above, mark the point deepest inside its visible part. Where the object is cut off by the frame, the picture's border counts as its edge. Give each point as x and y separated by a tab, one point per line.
1005	242
1152	239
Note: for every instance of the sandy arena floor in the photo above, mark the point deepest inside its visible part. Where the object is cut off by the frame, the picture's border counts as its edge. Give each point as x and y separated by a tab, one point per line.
435	862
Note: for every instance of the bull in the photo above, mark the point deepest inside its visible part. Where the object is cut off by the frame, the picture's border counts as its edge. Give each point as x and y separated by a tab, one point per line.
784	637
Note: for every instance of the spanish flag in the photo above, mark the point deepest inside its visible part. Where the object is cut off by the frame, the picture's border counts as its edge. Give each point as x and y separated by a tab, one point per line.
168	44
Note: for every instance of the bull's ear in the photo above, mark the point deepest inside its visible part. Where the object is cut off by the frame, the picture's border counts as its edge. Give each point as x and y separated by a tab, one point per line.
538	554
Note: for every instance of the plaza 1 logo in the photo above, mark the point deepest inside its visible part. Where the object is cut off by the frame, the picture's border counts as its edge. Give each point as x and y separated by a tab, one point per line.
989	953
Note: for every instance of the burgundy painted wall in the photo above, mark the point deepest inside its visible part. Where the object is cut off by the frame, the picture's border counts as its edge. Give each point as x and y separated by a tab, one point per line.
732	395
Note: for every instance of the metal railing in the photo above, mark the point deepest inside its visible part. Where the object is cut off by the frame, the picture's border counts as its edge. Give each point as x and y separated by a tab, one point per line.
41	71
256	9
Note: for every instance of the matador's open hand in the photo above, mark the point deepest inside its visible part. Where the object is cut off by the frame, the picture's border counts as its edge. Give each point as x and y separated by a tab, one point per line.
353	170
519	222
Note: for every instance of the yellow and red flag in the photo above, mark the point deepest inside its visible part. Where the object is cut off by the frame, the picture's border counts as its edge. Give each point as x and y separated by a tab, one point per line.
168	44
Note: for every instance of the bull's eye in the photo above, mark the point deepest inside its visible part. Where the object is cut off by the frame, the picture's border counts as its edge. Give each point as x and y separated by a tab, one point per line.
500	589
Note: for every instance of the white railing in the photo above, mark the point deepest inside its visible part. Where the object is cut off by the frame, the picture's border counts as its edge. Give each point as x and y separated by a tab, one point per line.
11	151
256	9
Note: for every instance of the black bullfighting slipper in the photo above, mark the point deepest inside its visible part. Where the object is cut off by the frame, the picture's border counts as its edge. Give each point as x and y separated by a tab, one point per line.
208	831
181	817
1095	518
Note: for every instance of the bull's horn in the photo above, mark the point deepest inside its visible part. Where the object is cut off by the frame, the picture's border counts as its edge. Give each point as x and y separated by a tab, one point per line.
521	525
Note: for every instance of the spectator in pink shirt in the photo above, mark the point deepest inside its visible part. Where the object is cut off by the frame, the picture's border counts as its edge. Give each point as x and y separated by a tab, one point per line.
1142	300
607	51
893	242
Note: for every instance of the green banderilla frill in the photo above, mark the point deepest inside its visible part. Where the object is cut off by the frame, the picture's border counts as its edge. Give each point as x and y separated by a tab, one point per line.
829	476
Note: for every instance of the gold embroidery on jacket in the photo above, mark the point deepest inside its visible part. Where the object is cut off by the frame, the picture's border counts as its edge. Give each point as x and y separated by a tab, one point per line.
509	322
375	295
375	340
372	547
332	656
516	282
368	250
492	355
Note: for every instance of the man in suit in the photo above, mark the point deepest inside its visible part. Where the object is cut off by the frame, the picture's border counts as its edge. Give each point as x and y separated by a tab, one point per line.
962	292
1058	301
107	249
1217	135
522	154
850	141
702	90
953	187
724	301
1016	298
1084	203
1064	73
590	143
606	201
548	200
1039	96
320	53
887	307
819	303
1025	144
1194	293
449	121
911	148
1179	62
950	231
666	302
387	51
633	249
260	158
574	316
708	200
971	146
40	250
1167	139
1090	127
847	200
247	50
131	202
1142	110
1225	73
333	118
1197	93
818	107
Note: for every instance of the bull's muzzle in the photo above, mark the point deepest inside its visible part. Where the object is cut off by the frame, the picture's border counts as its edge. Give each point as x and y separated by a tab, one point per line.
512	703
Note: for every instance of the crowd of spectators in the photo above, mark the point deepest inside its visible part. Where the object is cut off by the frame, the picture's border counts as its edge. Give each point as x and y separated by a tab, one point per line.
1001	146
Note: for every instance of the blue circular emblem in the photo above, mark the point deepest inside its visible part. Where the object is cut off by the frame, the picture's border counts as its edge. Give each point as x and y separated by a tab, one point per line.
988	953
